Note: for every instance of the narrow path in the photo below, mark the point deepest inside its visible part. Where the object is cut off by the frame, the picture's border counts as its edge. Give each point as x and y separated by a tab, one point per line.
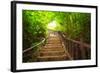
53	50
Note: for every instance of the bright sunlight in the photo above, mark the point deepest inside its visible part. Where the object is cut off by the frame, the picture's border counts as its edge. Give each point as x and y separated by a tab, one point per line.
52	25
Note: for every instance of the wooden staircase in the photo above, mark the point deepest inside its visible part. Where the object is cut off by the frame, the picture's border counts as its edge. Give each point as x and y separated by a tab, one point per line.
53	49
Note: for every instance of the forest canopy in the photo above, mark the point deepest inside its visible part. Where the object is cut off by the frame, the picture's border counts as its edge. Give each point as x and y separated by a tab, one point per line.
74	25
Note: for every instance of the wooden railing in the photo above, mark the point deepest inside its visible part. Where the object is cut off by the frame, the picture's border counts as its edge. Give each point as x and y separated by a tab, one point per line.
77	50
30	54
34	46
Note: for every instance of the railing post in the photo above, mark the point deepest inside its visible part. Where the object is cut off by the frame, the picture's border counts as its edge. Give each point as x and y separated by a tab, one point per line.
82	48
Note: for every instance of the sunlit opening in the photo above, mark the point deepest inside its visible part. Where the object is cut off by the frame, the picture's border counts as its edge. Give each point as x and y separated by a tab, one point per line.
52	25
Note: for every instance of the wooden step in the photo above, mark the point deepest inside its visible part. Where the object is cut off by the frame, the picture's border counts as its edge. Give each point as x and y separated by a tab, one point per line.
56	38
53	42
52	58
51	53
53	49
54	45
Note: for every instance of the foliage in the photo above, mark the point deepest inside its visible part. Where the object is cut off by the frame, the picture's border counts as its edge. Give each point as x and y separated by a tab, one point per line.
34	26
74	25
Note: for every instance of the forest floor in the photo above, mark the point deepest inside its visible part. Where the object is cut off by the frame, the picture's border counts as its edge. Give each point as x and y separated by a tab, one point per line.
54	49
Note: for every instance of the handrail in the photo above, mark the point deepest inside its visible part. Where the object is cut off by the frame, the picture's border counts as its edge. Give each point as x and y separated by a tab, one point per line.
74	41
34	46
84	44
76	49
